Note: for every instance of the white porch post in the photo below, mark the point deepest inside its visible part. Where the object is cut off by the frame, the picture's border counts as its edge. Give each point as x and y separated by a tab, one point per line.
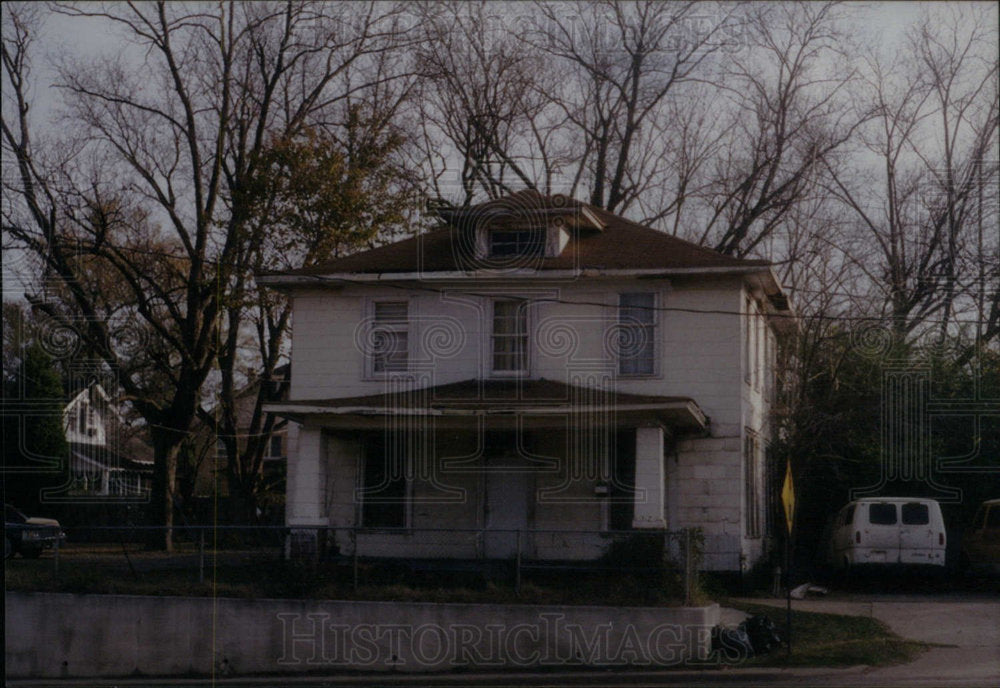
649	479
306	500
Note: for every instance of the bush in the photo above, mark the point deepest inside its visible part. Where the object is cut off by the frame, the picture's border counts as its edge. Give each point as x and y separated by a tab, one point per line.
294	579
647	566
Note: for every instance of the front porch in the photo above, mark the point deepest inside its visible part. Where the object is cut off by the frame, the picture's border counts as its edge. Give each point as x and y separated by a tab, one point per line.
486	469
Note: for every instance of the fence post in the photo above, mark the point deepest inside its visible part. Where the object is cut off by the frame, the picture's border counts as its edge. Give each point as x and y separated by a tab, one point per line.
517	573
354	556
687	567
201	555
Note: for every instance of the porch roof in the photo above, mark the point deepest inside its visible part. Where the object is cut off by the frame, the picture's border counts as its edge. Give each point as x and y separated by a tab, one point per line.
506	397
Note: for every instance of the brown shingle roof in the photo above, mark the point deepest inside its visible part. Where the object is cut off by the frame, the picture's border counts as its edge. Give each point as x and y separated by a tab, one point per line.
620	245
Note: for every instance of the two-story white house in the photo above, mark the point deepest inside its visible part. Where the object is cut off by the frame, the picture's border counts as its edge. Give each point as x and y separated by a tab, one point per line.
97	467
533	378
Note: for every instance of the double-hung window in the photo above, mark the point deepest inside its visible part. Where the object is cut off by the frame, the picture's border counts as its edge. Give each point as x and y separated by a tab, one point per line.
510	336
390	337
637	333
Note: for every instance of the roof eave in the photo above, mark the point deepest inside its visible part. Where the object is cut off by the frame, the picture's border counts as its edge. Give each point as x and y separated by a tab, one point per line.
339	279
685	414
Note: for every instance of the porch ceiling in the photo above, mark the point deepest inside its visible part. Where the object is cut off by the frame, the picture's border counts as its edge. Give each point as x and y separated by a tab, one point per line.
544	402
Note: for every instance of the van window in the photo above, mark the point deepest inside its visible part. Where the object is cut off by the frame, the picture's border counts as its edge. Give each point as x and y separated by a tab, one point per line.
882	514
993	520
848	515
916	514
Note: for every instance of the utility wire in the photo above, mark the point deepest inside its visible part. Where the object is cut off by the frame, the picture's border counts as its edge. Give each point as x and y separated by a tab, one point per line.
669	309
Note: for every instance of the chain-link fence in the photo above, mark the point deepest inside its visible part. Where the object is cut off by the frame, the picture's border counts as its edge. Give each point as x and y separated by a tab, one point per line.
667	561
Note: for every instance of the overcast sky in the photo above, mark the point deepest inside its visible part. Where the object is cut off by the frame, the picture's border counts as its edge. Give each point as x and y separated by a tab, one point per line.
877	24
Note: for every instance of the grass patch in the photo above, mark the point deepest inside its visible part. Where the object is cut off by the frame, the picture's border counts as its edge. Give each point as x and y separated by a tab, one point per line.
833	640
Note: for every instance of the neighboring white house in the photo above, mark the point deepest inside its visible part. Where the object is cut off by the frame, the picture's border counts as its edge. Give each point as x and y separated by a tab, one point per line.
97	466
538	366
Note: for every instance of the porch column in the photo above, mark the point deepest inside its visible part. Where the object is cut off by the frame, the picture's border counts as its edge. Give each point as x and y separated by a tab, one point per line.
306	503
649	479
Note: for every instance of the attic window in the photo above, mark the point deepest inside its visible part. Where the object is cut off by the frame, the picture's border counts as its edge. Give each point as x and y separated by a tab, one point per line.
517	242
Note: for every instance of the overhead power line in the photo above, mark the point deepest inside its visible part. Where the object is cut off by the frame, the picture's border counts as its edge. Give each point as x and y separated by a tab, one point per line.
667	309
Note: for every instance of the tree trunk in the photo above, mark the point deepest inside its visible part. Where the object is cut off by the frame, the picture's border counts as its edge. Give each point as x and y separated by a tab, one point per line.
243	500
166	447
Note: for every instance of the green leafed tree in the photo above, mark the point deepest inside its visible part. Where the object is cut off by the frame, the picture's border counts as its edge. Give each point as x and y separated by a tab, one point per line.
34	443
315	196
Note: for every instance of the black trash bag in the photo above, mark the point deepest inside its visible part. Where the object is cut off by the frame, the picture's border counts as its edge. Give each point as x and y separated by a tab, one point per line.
763	634
732	644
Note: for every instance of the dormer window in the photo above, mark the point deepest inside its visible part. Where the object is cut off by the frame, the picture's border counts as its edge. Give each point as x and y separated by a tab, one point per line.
517	242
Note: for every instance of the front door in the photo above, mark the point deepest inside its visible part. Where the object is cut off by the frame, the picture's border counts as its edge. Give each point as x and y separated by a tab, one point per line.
507	506
506	512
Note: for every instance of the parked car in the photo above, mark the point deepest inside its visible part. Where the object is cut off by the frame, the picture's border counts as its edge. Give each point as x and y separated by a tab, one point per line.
28	536
886	531
981	544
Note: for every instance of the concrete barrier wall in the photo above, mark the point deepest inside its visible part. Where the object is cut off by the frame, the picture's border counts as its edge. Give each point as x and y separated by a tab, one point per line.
60	635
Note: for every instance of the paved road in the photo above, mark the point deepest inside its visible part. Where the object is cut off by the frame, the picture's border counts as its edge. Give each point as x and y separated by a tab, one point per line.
970	625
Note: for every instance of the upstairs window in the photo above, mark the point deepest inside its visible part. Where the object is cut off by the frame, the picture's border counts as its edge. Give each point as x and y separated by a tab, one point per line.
517	242
637	333
391	337
510	336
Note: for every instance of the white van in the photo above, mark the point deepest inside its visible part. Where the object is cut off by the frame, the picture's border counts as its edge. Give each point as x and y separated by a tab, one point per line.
887	531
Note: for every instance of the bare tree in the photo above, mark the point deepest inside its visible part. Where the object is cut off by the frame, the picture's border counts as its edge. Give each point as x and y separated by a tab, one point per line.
624	63
483	93
921	208
152	202
787	113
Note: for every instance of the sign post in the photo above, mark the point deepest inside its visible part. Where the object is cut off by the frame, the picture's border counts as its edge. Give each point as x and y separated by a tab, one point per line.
788	502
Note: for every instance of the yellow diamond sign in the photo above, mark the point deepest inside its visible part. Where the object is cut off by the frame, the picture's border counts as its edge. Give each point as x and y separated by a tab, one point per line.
788	496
